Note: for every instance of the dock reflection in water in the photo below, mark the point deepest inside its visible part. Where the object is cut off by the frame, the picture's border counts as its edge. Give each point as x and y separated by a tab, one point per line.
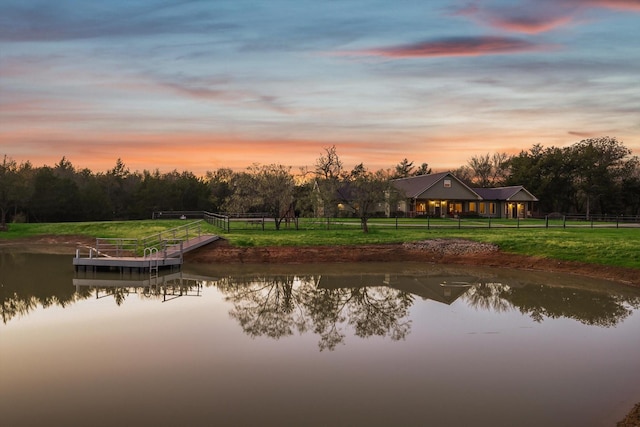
348	344
165	286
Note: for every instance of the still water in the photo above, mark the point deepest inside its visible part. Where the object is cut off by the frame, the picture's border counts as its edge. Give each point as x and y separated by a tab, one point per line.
314	345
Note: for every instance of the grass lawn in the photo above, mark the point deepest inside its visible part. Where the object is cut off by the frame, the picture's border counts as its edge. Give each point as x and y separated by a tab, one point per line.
606	246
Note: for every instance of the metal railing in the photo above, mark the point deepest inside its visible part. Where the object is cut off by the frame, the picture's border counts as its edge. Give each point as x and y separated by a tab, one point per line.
167	243
218	220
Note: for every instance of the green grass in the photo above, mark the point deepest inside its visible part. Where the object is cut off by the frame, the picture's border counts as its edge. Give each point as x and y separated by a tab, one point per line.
125	229
604	246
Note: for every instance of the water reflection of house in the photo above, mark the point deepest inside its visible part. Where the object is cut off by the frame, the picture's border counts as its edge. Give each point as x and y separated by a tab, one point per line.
443	289
442	194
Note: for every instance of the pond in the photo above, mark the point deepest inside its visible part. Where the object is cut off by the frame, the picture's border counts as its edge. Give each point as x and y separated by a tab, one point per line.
314	345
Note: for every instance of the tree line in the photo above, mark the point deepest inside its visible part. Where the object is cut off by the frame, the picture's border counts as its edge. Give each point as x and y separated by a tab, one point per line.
593	176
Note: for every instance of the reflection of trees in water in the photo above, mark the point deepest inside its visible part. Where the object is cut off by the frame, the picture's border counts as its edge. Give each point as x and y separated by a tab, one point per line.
489	296
28	281
13	305
21	302
279	305
589	307
268	308
119	294
371	311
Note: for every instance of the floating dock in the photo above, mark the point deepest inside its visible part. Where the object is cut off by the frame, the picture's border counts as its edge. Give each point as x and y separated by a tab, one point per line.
160	251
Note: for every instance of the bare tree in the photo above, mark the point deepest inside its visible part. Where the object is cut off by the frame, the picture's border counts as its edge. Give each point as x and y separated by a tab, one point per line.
500	165
263	188
365	193
489	171
329	165
481	167
328	171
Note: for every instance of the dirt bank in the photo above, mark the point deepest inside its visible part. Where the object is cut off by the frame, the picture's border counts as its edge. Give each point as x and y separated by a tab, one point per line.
441	251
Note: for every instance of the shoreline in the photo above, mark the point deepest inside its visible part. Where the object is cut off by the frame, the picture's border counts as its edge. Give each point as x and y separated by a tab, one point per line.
434	251
444	251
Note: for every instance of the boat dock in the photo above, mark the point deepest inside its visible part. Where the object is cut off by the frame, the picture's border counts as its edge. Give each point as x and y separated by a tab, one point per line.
152	253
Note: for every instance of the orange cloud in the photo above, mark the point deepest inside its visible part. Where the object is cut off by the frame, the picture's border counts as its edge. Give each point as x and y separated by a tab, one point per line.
459	46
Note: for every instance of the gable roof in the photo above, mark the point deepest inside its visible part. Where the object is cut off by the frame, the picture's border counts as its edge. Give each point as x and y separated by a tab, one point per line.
414	186
516	193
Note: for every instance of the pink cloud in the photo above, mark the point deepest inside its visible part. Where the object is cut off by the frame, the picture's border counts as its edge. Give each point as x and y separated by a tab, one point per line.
529	24
460	46
633	5
530	18
539	16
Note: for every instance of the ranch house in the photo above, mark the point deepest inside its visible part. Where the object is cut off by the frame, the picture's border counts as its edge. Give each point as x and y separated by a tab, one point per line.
444	195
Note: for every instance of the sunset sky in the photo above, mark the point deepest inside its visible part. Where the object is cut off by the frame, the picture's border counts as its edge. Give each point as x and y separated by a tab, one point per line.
198	85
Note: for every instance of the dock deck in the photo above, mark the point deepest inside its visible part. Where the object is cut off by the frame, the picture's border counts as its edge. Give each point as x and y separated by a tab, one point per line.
164	250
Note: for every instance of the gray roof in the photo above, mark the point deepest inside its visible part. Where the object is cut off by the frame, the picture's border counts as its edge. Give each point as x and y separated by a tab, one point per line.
513	193
414	186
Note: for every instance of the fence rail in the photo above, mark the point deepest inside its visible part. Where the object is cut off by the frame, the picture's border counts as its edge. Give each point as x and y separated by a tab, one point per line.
258	221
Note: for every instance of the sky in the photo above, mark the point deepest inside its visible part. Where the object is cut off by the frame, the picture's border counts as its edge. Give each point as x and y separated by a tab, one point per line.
199	85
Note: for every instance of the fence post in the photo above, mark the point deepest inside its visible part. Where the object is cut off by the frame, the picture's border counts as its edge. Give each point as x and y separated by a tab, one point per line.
489	221
618	221
564	221
518	222
546	221
591	221
263	223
